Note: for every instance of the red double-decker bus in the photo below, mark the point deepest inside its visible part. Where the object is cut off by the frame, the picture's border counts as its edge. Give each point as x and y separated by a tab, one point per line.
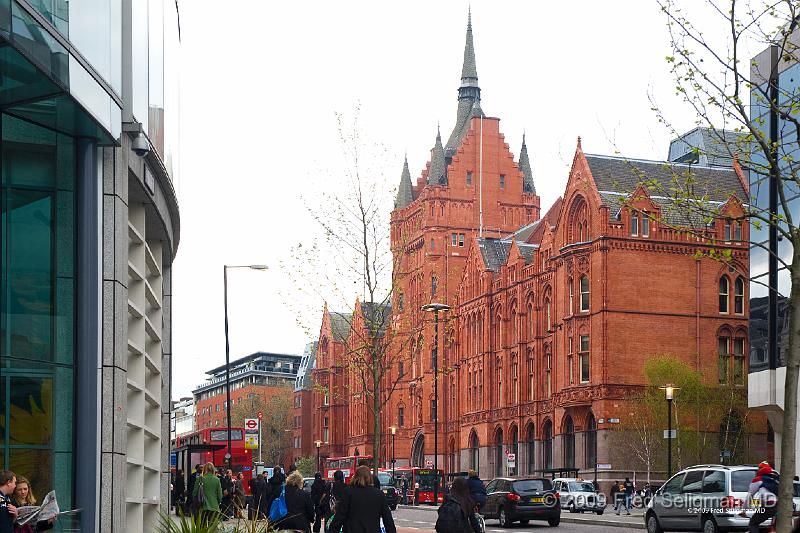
347	465
213	445
421	482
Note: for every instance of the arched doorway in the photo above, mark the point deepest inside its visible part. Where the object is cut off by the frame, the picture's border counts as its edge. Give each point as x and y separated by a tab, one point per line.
474	449
530	438
515	450
569	442
498	452
547	444
418	451
591	441
451	456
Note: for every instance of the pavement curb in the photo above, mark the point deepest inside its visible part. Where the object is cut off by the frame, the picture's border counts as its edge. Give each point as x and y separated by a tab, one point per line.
565	517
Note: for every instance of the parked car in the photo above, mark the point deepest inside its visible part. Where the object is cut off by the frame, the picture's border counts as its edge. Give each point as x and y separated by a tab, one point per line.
307	481
685	501
388	488
520	500
579	495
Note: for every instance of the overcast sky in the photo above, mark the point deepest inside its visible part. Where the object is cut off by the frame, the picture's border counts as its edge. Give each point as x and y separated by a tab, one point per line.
261	82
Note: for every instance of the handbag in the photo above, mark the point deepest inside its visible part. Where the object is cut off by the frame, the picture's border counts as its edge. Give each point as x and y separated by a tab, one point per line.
200	499
278	508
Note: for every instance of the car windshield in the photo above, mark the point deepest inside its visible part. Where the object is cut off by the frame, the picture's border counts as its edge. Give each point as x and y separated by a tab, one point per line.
580	486
385	478
532	485
740	480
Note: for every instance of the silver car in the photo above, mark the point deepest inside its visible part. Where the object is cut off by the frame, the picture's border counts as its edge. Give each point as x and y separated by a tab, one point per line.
705	498
578	495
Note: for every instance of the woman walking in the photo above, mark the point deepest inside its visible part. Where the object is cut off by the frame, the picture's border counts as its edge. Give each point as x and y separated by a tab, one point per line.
363	507
299	509
457	513
212	493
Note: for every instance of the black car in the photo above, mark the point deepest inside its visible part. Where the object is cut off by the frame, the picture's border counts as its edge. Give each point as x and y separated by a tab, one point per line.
520	500
388	488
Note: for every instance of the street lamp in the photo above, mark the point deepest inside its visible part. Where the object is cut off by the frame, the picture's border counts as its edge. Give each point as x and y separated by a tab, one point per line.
669	390
318	443
228	456
394	430
435	308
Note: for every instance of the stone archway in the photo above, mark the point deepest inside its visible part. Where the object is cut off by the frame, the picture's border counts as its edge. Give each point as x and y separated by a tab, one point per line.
418	451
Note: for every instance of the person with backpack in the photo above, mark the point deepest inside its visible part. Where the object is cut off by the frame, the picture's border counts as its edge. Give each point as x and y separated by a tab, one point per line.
457	513
476	489
764	489
338	491
363	507
207	493
274	487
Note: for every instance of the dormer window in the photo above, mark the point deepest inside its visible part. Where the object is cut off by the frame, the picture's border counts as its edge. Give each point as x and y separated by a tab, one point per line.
726	234
634	223
645	225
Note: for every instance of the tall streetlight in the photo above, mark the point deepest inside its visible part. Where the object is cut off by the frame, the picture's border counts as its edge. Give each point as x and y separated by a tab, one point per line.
435	308
228	457
318	443
394	430
669	390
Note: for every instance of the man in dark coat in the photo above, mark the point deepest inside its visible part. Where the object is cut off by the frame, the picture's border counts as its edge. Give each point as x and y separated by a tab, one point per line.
274	486
319	497
476	488
198	471
363	507
178	490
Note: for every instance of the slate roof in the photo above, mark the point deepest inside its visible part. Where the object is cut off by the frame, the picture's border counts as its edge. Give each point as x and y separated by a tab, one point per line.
469	70
378	314
405	193
437	173
525	167
340	325
707	147
494	252
469	94
618	177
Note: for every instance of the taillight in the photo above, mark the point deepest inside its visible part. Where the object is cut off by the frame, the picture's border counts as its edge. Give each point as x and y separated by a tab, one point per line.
512	497
558	496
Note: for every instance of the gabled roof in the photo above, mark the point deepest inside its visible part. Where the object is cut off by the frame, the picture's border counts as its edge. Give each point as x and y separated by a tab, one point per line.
340	325
376	316
617	178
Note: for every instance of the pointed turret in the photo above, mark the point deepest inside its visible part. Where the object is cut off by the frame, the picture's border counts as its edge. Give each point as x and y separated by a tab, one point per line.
404	192
525	167
468	93
437	174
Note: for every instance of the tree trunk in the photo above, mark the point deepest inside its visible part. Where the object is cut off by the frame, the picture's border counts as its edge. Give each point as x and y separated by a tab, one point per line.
789	434
376	417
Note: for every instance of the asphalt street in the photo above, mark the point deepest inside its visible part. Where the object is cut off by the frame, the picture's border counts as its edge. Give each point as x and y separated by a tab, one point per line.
420	520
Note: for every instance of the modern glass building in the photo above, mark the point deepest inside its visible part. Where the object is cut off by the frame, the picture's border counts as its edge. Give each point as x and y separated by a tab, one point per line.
88	232
767	359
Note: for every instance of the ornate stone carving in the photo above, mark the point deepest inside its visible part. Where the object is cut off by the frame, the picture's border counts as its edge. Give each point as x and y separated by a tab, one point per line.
583	263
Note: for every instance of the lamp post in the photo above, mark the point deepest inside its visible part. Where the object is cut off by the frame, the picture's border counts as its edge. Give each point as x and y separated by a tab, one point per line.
394	430
435	308
318	443
228	456
669	391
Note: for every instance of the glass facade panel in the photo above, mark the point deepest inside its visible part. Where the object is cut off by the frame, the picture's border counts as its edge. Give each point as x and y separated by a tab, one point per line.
141	57
37	269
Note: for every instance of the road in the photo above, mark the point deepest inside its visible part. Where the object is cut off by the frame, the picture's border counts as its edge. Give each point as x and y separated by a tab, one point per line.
417	521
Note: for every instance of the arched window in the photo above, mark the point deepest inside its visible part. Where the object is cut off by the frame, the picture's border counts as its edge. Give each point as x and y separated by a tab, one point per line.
498	332
547	444
498	377
724	292
548	369
591	441
531	324
547	317
738	296
434	285
569	442
571	290
584	294
531	380
514	330
530	437
474	452
498	452
514	379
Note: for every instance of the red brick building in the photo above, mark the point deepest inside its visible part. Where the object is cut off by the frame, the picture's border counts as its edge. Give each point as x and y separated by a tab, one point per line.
552	317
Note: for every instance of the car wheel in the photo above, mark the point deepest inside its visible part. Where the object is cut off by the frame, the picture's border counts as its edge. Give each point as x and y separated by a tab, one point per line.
502	518
652	524
709	526
600	511
553	522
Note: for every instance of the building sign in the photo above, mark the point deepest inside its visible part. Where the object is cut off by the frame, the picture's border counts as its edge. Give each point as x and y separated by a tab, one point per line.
511	458
251	433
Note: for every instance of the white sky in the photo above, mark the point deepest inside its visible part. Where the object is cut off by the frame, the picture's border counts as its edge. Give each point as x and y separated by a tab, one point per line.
261	82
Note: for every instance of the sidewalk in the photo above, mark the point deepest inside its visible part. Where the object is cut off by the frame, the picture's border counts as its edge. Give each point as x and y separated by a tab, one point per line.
608	518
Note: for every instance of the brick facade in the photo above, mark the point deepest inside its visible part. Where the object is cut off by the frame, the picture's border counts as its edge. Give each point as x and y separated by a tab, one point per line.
552	317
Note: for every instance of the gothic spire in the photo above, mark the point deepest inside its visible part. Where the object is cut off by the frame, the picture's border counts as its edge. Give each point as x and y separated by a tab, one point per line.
525	167
468	92
404	191
437	174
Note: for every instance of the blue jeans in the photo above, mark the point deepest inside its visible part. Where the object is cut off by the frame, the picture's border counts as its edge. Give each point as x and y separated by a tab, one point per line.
628	499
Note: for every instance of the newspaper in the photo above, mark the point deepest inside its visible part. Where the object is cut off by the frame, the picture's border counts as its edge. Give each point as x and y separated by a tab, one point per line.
37	513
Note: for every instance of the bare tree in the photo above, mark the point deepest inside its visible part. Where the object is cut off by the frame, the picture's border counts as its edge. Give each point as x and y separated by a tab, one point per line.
351	261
